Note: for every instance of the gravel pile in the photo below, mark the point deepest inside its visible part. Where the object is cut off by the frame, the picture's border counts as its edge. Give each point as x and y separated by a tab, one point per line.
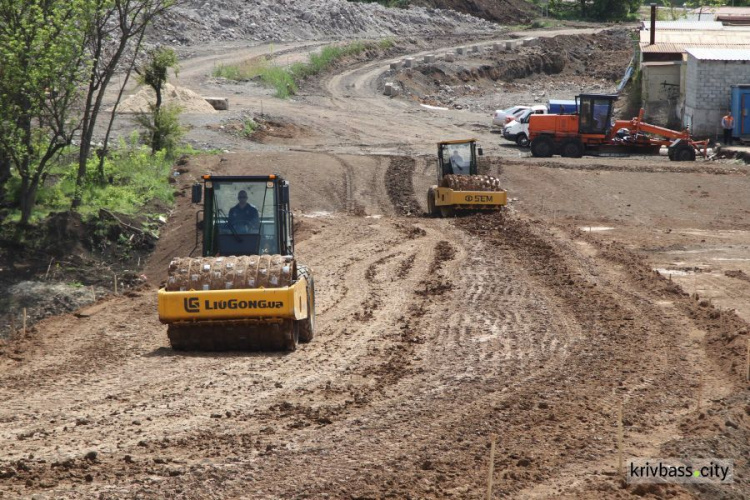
194	22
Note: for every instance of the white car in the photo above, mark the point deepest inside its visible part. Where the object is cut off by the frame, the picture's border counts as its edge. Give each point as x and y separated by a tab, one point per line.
500	118
518	130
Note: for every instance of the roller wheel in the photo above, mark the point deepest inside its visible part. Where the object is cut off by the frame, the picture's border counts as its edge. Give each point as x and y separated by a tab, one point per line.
683	152
291	337
307	325
432	210
180	340
522	140
447	212
542	147
572	149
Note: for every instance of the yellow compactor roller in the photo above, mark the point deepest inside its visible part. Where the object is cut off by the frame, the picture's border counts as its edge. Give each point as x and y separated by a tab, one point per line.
247	292
459	187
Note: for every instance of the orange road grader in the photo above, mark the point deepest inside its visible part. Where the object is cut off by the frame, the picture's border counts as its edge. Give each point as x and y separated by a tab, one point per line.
247	292
592	129
459	187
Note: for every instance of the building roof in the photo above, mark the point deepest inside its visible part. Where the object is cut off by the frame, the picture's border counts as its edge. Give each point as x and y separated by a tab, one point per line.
697	38
678	48
706	54
685	25
661	63
732	11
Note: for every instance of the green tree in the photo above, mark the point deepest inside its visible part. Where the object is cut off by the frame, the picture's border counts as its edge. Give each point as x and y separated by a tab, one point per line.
162	124
42	49
116	31
613	9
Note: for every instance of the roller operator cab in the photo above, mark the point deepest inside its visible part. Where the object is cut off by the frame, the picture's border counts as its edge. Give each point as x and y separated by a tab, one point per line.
459	186
247	291
245	216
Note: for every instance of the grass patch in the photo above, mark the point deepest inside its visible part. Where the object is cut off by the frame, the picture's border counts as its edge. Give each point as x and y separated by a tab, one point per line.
281	80
286	79
386	43
243	71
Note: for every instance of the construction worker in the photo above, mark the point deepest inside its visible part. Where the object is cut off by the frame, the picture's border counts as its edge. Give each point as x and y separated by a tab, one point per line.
727	123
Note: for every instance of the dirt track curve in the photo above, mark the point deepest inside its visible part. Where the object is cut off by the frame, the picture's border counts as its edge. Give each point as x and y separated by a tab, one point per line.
433	335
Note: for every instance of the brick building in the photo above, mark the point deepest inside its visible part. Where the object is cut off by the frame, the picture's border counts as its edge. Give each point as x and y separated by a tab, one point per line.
710	74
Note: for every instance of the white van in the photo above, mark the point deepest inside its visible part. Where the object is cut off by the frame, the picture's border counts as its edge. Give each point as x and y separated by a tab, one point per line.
518	129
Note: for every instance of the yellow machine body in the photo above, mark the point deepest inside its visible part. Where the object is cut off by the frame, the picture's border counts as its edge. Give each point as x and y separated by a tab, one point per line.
470	199
236	304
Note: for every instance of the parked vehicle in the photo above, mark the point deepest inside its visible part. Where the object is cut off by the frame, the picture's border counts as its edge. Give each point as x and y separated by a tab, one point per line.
592	129
518	129
500	118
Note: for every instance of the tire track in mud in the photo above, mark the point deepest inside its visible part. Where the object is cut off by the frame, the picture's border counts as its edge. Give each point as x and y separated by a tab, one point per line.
350	204
602	366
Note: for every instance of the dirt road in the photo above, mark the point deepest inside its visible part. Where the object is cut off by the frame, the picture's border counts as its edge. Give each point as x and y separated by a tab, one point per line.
433	335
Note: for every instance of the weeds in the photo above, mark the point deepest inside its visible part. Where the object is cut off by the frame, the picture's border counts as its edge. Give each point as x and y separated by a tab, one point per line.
386	43
241	72
249	127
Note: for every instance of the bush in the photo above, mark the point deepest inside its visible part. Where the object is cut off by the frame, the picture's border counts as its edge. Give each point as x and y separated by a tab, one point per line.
134	178
163	130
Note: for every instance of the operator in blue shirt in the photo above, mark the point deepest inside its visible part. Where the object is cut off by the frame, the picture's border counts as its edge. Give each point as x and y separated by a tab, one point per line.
243	215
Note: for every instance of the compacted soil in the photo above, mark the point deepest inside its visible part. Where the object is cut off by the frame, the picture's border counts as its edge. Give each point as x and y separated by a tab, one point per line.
607	284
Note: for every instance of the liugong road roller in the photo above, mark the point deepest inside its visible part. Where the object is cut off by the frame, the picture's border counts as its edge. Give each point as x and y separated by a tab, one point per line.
247	292
459	186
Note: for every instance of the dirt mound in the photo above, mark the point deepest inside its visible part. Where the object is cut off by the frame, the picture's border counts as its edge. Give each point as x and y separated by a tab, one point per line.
558	67
189	101
499	11
400	187
286	20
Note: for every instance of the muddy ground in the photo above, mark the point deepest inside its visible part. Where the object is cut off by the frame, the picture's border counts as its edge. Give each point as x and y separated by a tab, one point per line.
607	282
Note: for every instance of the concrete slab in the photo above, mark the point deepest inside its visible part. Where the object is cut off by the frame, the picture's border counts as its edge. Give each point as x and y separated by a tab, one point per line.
218	103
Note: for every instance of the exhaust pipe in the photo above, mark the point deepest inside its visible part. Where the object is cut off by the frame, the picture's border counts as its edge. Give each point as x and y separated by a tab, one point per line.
653	24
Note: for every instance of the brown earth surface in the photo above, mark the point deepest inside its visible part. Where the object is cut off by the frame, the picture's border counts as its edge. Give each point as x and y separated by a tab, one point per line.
603	284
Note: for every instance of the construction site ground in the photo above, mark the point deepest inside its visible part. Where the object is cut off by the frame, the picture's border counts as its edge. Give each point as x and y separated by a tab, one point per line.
608	283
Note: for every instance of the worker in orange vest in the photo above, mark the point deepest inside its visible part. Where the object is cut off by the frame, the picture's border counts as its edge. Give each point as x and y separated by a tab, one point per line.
727	124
